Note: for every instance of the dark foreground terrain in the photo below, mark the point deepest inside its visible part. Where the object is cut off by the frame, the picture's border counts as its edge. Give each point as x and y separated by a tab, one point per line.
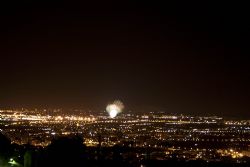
70	151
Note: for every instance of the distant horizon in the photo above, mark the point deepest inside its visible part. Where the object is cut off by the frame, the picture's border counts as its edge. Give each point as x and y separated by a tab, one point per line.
65	110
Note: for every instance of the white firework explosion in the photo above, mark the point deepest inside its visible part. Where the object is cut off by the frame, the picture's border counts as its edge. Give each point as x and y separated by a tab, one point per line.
114	108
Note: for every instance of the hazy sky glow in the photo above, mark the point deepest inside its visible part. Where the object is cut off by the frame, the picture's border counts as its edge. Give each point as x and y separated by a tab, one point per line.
176	58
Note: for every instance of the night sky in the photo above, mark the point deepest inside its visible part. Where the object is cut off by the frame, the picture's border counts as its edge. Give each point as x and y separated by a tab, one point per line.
177	58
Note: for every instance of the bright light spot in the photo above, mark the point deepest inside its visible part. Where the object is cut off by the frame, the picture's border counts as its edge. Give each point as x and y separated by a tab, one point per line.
12	161
113	113
115	108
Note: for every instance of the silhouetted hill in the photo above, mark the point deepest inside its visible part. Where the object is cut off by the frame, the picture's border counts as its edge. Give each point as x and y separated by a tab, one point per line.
66	151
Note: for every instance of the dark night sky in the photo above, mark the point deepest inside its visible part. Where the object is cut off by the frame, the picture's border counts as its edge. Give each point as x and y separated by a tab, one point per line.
177	58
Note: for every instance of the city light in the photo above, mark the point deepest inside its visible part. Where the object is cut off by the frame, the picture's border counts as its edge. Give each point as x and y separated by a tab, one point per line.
192	137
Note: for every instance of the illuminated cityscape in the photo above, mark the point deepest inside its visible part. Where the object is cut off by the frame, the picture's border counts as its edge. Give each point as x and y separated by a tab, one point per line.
168	136
124	84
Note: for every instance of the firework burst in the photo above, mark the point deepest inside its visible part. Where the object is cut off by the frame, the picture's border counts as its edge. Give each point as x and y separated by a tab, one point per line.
114	108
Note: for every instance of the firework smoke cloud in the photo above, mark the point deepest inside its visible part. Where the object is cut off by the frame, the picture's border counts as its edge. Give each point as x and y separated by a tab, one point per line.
114	108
